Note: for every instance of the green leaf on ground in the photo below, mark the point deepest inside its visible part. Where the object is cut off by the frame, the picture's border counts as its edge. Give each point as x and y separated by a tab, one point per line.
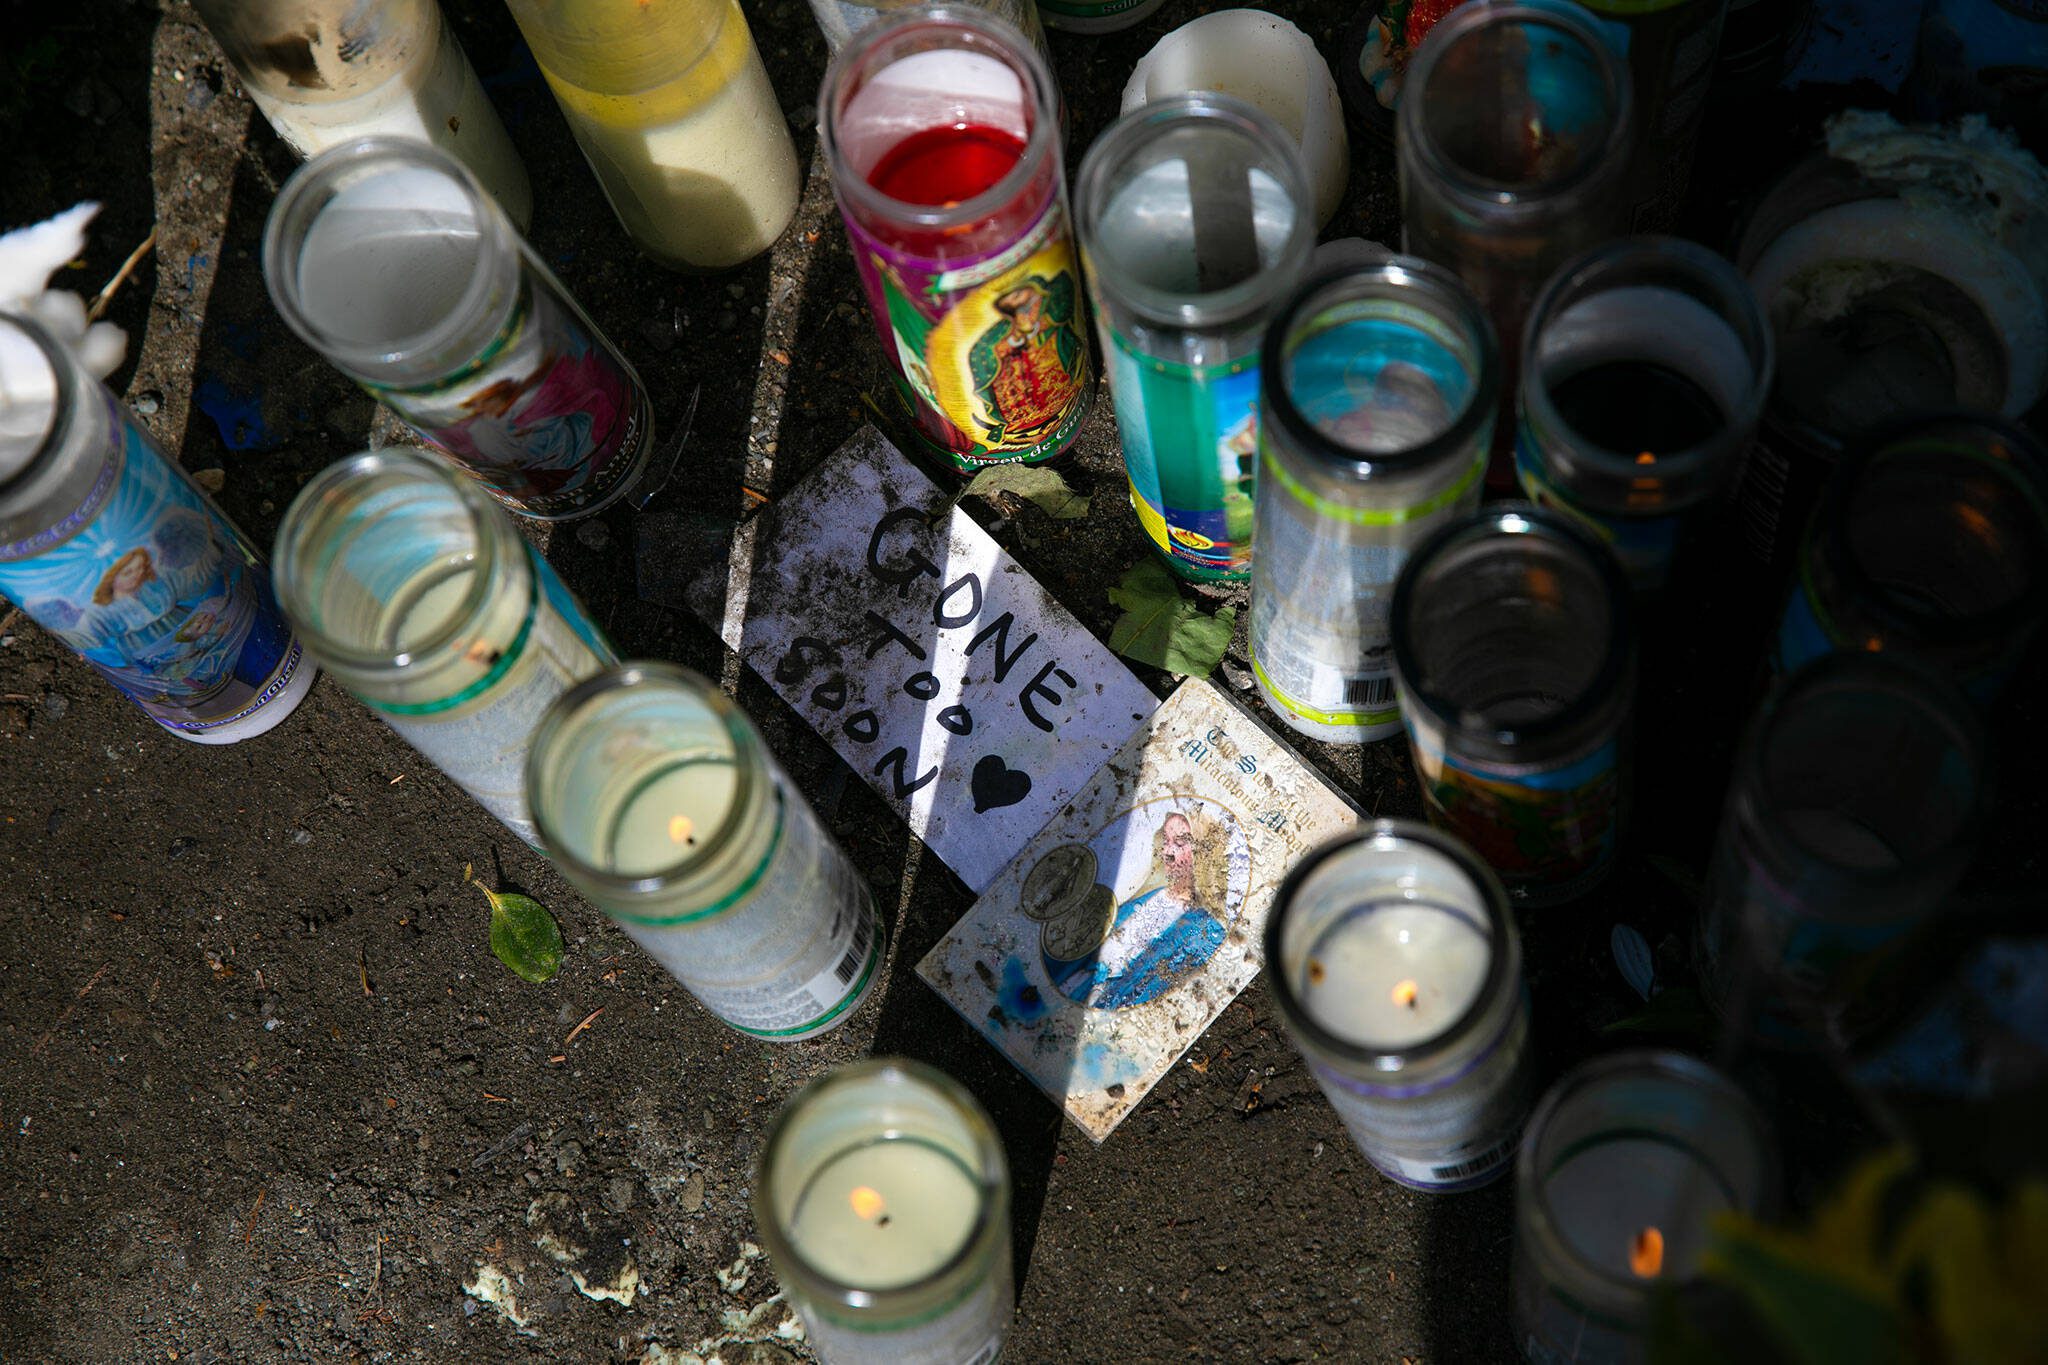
1164	629
1036	484
524	935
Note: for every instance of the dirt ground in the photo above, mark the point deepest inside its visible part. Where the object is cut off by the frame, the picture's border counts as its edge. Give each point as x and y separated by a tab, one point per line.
264	1091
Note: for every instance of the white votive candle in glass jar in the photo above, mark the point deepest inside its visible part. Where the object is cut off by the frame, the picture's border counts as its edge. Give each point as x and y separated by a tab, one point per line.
1627	1162
884	1199
1396	968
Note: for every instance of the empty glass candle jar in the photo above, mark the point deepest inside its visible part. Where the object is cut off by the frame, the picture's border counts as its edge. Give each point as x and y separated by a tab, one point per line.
941	130
1393	959
673	109
387	258
1850	819
841	19
1931	540
1645	366
1378	389
330	71
107	544
1627	1162
657	800
417	593
1514	656
1195	222
1513	136
884	1199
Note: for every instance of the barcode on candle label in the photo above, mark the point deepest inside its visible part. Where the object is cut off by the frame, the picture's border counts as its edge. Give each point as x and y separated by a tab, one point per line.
1368	691
863	935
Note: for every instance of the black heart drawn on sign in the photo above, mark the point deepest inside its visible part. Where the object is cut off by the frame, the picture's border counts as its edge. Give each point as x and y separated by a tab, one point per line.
996	783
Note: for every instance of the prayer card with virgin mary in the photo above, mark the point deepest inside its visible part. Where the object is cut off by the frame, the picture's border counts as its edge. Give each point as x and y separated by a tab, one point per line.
1101	952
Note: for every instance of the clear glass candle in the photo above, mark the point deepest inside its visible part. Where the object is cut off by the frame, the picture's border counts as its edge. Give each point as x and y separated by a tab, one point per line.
1513	136
1626	1163
416	592
657	800
883	1198
325	72
1671	47
1515	659
1903	273
107	544
1931	540
1195	222
1646	364
1850	819
1378	389
388	259
1393	960
941	128
673	109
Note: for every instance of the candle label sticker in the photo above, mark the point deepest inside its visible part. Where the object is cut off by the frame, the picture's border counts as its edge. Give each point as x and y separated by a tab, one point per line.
550	419
479	736
1548	830
159	592
1644	545
970	700
771	964
1103	950
1190	436
992	354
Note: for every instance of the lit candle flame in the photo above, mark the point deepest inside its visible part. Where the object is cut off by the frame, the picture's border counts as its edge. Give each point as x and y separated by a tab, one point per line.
1405	993
679	828
1646	1254
1646	458
866	1202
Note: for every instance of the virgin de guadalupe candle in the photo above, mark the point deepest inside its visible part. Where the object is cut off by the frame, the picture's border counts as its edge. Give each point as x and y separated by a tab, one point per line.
1626	1163
107	544
1395	965
656	798
941	130
388	258
884	1200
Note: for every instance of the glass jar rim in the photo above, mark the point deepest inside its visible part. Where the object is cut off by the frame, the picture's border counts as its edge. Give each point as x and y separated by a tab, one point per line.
1515	520
629	676
1392	277
358	159
1677	1068
1504	196
2012	450
1390	834
987	34
489	528
991	1180
1938	701
1129	134
63	398
1581	278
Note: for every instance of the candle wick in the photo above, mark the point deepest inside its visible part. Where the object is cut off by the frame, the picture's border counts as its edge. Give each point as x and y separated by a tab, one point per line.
883	1221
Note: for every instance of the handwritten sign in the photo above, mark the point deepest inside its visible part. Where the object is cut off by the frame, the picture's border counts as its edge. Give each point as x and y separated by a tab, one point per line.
1114	939
969	698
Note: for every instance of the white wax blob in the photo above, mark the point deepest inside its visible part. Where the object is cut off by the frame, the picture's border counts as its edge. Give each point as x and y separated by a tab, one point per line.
1839	840
1157	227
28	401
1644	322
1604	1196
389	258
1391	975
426	606
666	820
885	1215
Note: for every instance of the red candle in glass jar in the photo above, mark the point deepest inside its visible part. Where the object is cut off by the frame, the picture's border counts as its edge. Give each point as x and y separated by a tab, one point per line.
942	134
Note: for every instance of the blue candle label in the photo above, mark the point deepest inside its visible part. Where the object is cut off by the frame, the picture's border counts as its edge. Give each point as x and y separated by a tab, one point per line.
1644	545
1190	437
1550	832
479	736
158	591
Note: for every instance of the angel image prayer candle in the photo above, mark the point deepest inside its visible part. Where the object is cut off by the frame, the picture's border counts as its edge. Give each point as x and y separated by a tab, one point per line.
1396	968
1626	1163
941	130
884	1199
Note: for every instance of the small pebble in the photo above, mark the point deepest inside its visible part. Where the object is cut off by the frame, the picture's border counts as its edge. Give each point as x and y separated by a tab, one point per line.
594	535
148	402
618	1193
55	705
302	836
692	1196
182	845
212	480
